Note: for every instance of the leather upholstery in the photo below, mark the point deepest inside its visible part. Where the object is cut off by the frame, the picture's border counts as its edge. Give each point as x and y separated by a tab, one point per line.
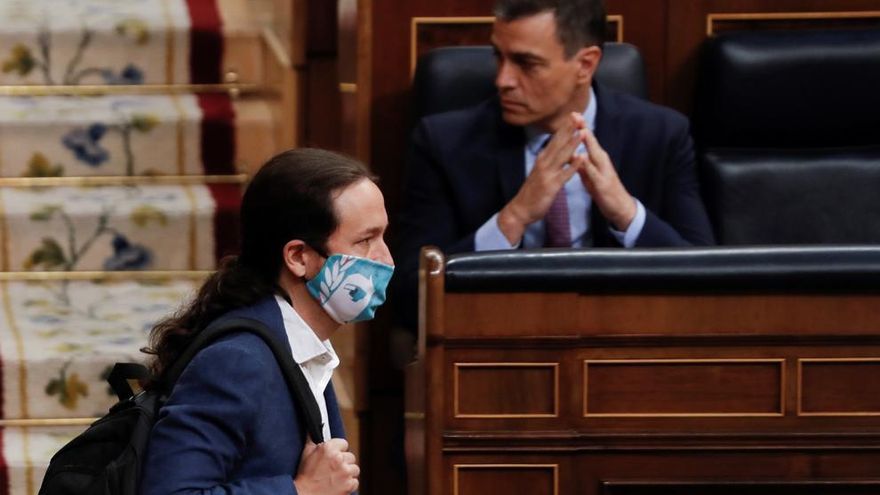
794	197
450	78
804	269
788	129
790	89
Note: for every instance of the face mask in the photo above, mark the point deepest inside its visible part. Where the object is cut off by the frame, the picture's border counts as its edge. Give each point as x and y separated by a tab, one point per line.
350	288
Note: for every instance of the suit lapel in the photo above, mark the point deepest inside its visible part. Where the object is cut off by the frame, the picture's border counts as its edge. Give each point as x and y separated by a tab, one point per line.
607	125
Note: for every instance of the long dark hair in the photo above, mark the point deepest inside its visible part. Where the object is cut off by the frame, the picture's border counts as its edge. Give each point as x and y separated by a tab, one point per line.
291	197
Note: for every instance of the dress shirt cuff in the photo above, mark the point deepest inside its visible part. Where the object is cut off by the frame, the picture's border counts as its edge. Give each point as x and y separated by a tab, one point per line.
628	238
490	238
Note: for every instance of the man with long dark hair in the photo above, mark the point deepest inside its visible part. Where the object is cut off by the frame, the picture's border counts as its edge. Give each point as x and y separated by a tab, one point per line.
313	258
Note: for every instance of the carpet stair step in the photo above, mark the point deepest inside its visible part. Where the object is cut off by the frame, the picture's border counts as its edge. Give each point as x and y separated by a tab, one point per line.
62	336
131	42
114	228
133	135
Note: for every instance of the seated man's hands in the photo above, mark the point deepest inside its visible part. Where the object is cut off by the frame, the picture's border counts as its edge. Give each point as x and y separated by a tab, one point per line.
327	469
601	180
549	175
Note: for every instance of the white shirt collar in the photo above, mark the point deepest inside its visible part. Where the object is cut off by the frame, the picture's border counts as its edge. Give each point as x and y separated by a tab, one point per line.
304	343
535	137
316	357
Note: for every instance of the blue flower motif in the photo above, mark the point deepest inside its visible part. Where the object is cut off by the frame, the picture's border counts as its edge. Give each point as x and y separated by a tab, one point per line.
127	256
129	75
84	144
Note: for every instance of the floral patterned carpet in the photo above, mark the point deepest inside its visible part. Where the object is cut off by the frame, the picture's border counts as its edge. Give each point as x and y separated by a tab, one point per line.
113	206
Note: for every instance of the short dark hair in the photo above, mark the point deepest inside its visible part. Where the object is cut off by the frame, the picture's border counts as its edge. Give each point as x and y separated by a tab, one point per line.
290	197
579	23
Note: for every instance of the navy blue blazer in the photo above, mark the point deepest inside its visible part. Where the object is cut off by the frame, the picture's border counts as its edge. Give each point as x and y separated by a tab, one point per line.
230	425
464	166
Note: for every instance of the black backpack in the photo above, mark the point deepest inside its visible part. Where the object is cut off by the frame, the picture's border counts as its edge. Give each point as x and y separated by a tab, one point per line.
106	458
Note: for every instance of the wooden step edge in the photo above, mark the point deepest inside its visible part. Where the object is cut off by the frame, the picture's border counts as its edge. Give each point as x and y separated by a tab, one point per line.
146	275
114	180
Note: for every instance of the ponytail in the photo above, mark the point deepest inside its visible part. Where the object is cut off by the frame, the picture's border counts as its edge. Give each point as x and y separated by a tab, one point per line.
232	286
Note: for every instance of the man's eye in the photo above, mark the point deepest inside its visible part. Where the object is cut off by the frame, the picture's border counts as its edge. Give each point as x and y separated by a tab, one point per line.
528	66
364	241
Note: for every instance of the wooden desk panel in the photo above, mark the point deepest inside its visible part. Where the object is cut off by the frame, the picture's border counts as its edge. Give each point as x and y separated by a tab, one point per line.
644	394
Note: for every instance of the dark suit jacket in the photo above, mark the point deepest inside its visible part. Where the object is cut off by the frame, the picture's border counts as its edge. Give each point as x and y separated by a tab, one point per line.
464	166
230	425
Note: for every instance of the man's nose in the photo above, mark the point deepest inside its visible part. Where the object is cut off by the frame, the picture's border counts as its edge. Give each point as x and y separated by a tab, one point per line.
383	255
504	78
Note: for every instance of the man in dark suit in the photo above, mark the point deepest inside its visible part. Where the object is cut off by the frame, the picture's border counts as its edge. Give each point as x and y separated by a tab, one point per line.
554	160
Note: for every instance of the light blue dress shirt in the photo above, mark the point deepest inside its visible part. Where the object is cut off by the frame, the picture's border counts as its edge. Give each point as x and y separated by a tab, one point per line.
489	236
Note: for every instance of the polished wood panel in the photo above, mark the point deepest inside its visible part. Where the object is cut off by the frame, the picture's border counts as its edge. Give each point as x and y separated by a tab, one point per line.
707	472
505	390
429	33
479	479
699	400
684	387
571	353
687	314
757	487
839	386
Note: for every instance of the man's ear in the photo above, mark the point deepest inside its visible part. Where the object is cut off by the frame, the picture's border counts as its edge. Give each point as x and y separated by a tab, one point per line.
588	61
296	256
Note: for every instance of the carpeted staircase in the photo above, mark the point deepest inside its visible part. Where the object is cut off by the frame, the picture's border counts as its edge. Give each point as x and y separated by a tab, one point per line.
122	160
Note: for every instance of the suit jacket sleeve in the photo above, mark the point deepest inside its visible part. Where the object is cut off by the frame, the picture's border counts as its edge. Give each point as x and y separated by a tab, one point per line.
201	434
682	219
427	217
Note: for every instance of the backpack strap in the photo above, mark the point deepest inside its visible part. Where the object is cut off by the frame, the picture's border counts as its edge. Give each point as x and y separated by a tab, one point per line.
304	400
121	374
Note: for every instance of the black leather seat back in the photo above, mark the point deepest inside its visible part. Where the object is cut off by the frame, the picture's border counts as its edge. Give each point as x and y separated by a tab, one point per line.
790	89
450	78
794	196
788	125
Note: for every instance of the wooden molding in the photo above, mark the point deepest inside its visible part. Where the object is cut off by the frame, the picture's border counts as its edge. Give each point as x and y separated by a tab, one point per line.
800	384
713	18
32	422
233	89
138	180
102	276
778	361
456	469
456	389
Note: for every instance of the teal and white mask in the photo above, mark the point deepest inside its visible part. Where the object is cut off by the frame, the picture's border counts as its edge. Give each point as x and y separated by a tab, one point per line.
350	288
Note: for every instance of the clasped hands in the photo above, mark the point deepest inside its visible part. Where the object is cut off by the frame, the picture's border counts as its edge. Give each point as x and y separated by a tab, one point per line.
554	166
